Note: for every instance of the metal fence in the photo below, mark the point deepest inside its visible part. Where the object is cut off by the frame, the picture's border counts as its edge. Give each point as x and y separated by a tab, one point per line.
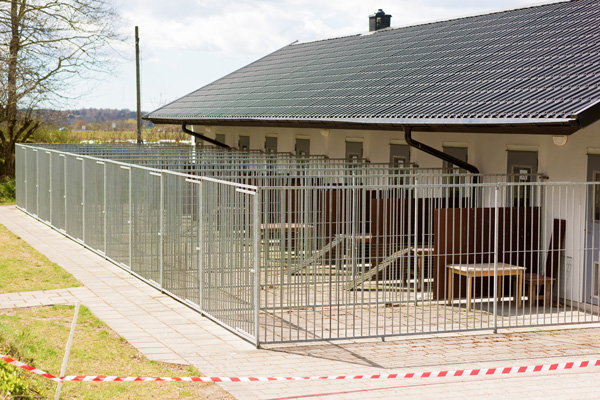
316	249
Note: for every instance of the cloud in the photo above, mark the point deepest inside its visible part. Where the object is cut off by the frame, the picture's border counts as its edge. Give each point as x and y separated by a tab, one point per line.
257	27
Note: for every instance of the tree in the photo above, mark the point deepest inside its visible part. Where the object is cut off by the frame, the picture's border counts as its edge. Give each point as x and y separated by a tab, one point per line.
45	47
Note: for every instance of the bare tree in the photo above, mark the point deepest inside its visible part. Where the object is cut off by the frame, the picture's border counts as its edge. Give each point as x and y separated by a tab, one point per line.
45	46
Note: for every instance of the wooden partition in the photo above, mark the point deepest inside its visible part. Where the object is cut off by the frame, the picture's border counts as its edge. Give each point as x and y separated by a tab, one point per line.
466	235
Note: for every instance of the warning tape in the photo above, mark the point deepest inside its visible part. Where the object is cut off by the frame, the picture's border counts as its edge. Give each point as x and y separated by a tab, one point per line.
435	374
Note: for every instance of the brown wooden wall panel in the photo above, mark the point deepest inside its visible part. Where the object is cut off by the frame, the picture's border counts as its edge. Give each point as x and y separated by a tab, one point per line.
466	235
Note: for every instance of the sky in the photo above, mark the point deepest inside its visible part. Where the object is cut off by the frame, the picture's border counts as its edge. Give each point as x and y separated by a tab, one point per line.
186	44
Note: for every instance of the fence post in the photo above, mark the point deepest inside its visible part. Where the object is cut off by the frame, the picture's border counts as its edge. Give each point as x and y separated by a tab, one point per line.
82	199
50	202
37	183
256	242
161	233
200	248
104	211
130	221
496	239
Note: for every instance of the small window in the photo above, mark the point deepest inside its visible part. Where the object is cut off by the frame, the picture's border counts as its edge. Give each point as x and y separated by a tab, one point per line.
522	195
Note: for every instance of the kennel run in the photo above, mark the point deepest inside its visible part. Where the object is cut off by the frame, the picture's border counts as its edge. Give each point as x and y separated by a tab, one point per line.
280	248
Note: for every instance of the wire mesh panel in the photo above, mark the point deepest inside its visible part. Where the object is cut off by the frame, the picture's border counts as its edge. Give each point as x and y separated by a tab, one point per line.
118	209
74	196
228	252
21	176
43	179
180	238
58	194
146	207
31	179
93	204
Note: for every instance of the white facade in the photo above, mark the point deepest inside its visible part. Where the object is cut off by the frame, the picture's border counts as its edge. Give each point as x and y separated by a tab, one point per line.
488	152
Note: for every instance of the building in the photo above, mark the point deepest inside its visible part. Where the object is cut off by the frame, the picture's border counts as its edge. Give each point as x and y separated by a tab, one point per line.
281	248
514	90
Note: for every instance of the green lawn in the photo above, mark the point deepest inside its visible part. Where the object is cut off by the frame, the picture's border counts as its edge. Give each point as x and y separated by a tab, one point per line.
37	336
23	269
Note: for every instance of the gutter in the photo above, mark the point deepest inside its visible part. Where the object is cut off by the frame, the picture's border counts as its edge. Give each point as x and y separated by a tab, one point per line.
436	153
202	137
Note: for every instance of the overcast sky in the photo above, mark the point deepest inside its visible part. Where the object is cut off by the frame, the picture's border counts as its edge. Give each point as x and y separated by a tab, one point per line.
186	44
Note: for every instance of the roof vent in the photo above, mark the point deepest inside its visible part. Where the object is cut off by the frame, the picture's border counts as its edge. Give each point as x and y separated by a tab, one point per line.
379	20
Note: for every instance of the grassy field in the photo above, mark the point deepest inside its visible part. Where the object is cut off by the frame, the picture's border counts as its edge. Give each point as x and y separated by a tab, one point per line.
38	335
7	191
23	269
68	136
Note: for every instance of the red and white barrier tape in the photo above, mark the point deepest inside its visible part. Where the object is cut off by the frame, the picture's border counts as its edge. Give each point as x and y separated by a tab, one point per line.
435	374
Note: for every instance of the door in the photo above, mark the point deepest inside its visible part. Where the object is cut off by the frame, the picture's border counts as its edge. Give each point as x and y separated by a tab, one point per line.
220	137
399	155
244	143
522	168
302	147
592	245
271	145
354	151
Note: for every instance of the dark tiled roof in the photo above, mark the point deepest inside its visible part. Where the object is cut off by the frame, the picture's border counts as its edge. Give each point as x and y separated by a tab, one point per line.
538	64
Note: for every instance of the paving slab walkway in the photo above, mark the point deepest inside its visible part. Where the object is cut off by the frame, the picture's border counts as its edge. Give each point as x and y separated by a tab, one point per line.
166	330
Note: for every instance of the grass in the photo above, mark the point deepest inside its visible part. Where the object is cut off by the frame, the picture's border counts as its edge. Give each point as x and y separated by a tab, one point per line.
7	191
23	269
69	136
38	336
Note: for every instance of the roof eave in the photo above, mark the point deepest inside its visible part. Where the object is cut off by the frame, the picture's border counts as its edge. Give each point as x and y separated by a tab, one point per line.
542	126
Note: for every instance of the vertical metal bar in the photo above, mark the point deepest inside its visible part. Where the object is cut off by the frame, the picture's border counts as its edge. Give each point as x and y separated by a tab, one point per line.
104	210
50	157
200	248
130	219
256	250
496	239
162	232
65	199
37	182
82	200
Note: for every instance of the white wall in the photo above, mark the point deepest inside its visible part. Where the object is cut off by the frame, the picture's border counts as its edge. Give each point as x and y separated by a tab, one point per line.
488	152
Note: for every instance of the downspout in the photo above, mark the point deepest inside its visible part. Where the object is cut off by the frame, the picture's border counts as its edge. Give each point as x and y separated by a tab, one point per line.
436	153
202	137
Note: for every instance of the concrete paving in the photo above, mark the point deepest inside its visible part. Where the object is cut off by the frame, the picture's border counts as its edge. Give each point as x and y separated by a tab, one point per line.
165	330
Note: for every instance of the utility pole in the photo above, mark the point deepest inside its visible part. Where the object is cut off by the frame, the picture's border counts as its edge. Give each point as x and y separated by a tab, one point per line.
137	80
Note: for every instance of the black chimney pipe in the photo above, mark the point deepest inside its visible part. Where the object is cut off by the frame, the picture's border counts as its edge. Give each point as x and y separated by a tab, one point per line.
379	20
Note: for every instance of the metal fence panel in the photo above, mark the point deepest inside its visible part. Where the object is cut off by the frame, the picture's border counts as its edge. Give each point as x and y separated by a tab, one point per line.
74	196
21	176
318	249
43	180
93	204
228	265
118	209
58	193
146	210
31	179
